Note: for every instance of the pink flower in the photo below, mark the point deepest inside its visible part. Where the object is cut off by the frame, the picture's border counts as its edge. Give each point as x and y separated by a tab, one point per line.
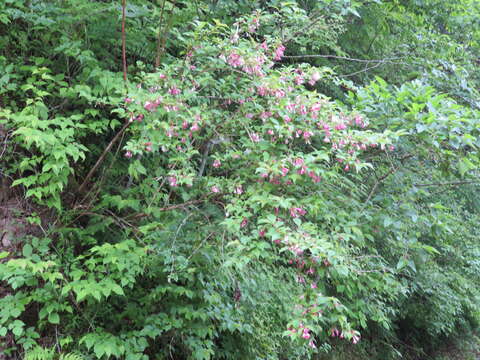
275	180
306	333
279	52
299	80
128	154
307	135
174	90
264	45
347	167
340	126
359	121
239	190
297	211
217	163
244	223
314	285
312	344
139	118
355	339
261	233
284	171
262	91
298	162
302	170
290	107
334	332
235	60
316	107
162	76
265	115
255	137
315	178
128	100
195	127
149	106
172	181
215	189
315	77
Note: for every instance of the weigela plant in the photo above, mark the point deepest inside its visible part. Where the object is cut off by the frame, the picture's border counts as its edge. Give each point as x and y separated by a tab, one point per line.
234	123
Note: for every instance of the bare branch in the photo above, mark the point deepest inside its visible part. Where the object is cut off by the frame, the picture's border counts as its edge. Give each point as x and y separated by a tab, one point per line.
452	183
102	157
386	60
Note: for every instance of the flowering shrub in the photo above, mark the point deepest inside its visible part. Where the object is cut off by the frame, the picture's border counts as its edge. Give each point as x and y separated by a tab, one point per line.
221	205
227	124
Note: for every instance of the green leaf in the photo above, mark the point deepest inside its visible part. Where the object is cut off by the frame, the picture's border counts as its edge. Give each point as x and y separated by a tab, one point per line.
27	250
54	318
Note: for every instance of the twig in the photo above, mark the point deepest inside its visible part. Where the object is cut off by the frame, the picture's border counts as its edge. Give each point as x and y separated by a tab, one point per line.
204	159
383	177
159	35
102	157
166	30
364	70
171	207
376	186
174	241
5	142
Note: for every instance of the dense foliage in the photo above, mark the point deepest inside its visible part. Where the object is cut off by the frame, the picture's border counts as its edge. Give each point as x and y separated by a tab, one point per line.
238	179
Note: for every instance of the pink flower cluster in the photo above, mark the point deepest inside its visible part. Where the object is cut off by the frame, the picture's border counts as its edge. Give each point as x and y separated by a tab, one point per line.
252	65
297	212
279	51
334	332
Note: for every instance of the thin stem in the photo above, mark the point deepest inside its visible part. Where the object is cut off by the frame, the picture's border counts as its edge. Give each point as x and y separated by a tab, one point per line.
124	46
159	36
